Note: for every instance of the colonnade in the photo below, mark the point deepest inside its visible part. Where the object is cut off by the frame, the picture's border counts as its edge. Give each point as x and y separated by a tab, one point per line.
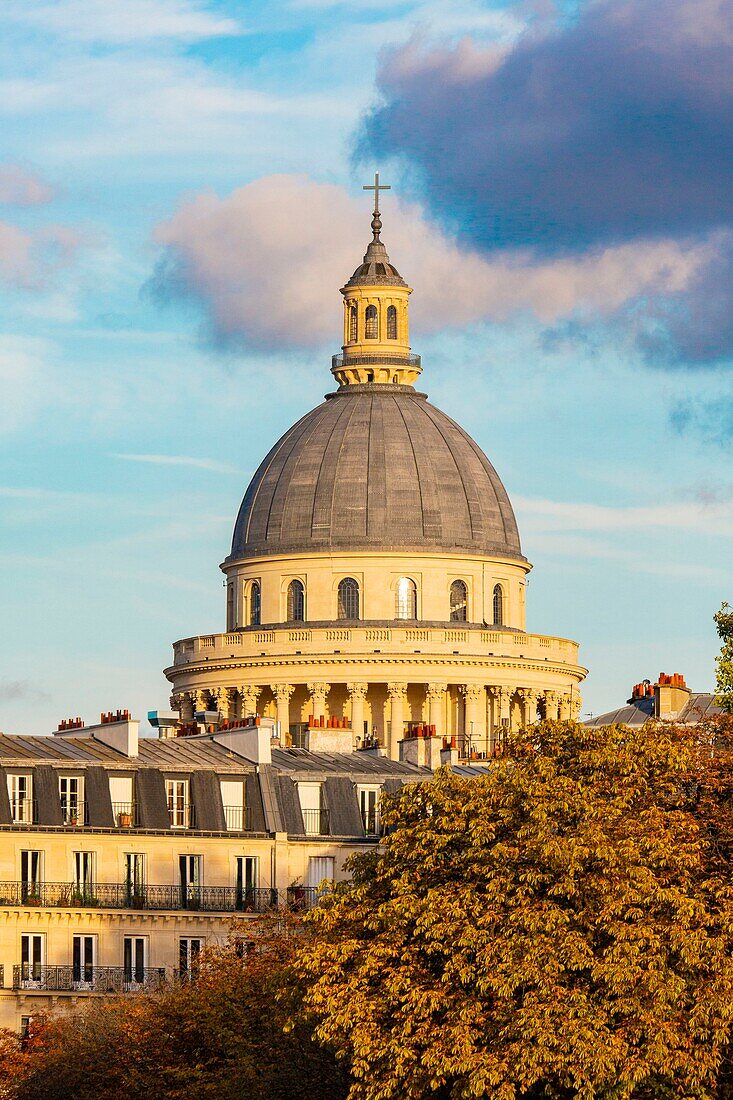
478	714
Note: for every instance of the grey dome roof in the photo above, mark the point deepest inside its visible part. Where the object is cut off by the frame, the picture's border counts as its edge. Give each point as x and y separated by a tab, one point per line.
376	269
376	467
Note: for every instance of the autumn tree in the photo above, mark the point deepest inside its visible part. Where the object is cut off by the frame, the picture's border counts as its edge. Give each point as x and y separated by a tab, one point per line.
553	928
223	1036
724	661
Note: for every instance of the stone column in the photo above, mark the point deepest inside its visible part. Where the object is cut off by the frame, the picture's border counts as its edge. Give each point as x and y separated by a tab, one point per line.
397	697
282	693
474	696
552	706
564	708
318	693
436	707
200	700
529	705
502	713
249	694
357	695
220	699
576	703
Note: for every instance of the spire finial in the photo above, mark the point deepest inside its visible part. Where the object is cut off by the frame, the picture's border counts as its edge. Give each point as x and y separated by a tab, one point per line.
376	187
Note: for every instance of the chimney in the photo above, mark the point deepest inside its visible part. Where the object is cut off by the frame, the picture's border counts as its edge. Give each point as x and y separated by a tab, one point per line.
422	752
671	695
119	734
253	742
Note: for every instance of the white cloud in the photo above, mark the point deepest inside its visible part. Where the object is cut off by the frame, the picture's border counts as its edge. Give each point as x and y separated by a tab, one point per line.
266	262
18	187
714	518
181	460
101	21
23	376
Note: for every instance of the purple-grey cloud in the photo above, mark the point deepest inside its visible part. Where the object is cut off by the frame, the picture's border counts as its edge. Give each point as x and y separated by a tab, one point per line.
19	187
615	127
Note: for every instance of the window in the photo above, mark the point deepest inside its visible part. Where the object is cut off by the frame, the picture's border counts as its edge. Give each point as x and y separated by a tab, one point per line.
232	799
296	602
189	869
353	323
84	874
309	796
30	876
247	877
179	810
32	959
255	604
20	793
82	961
123	804
458	602
369	807
319	869
135	879
348	599
189	950
71	792
391	323
406	599
134	960
371	323
230	605
498	605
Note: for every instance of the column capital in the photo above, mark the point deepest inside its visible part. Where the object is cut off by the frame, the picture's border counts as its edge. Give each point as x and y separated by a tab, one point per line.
319	690
527	695
357	691
434	691
473	692
576	704
282	691
397	691
502	694
551	696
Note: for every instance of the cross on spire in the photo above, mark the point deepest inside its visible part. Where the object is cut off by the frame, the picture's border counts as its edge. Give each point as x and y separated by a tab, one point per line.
376	187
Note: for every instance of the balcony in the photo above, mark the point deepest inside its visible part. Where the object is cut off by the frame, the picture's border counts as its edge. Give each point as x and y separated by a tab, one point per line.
202	899
238	819
74	813
125	815
23	811
87	979
316	822
461	639
339	361
302	898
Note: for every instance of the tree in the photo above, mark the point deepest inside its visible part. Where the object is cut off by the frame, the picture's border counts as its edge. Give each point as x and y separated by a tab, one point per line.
221	1037
553	928
724	661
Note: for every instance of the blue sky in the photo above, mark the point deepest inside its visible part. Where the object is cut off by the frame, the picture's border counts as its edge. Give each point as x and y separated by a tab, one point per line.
166	165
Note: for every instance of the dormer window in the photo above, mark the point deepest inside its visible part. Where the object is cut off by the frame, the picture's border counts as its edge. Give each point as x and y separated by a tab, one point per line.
371	323
391	322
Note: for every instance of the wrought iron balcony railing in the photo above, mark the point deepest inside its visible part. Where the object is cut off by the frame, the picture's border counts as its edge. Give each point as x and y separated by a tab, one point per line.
238	818
125	815
316	822
74	813
87	979
341	360
122	895
23	811
301	898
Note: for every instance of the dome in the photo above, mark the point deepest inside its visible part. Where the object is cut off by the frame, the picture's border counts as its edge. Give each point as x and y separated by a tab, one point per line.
376	269
376	467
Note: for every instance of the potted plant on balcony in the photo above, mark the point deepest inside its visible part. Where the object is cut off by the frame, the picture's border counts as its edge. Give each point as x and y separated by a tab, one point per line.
124	819
33	897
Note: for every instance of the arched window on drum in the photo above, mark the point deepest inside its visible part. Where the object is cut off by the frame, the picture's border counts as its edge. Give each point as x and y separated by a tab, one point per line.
458	602
255	604
371	323
348	599
498	602
391	322
353	323
406	599
296	602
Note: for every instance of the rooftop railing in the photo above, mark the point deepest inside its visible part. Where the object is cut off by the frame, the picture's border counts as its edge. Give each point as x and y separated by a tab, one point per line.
87	979
339	361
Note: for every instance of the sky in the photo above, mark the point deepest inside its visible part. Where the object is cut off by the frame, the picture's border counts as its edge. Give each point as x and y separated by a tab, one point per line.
180	199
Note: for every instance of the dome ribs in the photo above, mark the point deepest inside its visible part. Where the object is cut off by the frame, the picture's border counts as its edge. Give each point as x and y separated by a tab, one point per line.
424	454
350	498
404	503
376	468
326	519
